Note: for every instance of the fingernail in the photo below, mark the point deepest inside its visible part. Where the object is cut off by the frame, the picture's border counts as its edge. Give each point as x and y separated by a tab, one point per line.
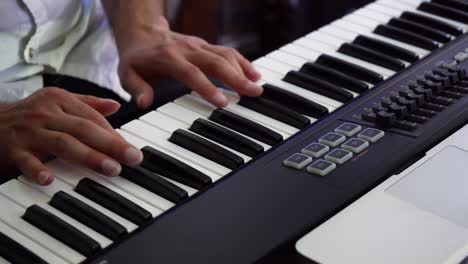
43	177
111	167
133	156
219	100
139	98
255	88
255	73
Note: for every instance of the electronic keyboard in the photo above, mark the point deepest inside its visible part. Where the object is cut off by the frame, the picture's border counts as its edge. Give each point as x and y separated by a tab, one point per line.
344	108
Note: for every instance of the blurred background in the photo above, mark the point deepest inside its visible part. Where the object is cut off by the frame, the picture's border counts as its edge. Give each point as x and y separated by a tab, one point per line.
255	27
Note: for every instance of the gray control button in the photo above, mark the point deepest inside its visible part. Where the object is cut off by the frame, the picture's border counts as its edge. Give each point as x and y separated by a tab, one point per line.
339	156
355	145
461	57
297	161
332	139
321	167
348	129
315	150
449	65
372	135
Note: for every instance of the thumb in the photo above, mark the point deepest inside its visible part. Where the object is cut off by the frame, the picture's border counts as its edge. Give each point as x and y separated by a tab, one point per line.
105	107
140	90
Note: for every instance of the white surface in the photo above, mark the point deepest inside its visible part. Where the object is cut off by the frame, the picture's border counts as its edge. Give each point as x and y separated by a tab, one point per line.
403	225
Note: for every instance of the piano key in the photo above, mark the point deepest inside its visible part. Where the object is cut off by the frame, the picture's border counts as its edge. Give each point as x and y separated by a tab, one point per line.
27	196
114	201
150	131
141	144
61	230
274	78
229	119
444	11
335	77
226	137
11	251
187	116
12	216
321	48
421	29
155	183
88	215
349	30
318	86
372	56
16	253
4	261
58	166
165	165
407	36
275	111
293	101
206	149
390	49
462	6
287	58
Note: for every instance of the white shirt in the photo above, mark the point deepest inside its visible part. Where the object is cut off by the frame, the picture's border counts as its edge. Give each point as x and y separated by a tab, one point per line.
67	37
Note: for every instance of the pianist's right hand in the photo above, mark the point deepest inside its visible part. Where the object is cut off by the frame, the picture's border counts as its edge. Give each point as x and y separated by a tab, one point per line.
69	126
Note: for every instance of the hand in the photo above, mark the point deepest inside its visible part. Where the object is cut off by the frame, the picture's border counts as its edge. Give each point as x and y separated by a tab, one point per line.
68	126
154	52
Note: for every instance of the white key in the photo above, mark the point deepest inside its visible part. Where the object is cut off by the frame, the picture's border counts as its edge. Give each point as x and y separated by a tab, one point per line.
73	174
190	102
29	244
156	136
381	18
27	196
11	215
58	185
187	116
4	261
287	58
275	79
138	142
344	25
159	138
204	108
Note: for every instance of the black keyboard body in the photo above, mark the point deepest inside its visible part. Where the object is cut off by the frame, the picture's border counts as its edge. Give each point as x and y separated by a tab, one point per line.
257	213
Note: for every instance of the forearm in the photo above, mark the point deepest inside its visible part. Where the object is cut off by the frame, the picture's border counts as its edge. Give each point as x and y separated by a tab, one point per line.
129	18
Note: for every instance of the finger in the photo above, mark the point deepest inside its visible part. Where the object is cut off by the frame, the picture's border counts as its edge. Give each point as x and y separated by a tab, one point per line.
190	75
80	109
105	107
99	139
216	66
32	167
68	148
227	54
140	90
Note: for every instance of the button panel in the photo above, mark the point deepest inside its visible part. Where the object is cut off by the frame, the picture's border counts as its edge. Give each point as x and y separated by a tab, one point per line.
333	149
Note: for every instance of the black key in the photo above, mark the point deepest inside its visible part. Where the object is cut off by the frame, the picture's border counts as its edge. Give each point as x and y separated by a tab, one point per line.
406	36
417	119
206	149
334	77
456	4
154	183
61	230
87	215
350	69
226	137
246	127
371	56
293	101
167	166
391	50
113	201
318	86
444	11
434	23
15	253
275	111
421	29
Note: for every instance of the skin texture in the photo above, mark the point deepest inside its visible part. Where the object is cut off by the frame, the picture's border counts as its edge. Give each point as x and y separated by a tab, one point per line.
53	122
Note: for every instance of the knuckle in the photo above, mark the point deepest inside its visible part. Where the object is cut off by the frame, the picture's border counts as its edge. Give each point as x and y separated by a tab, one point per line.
230	53
55	93
60	141
168	52
191	70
